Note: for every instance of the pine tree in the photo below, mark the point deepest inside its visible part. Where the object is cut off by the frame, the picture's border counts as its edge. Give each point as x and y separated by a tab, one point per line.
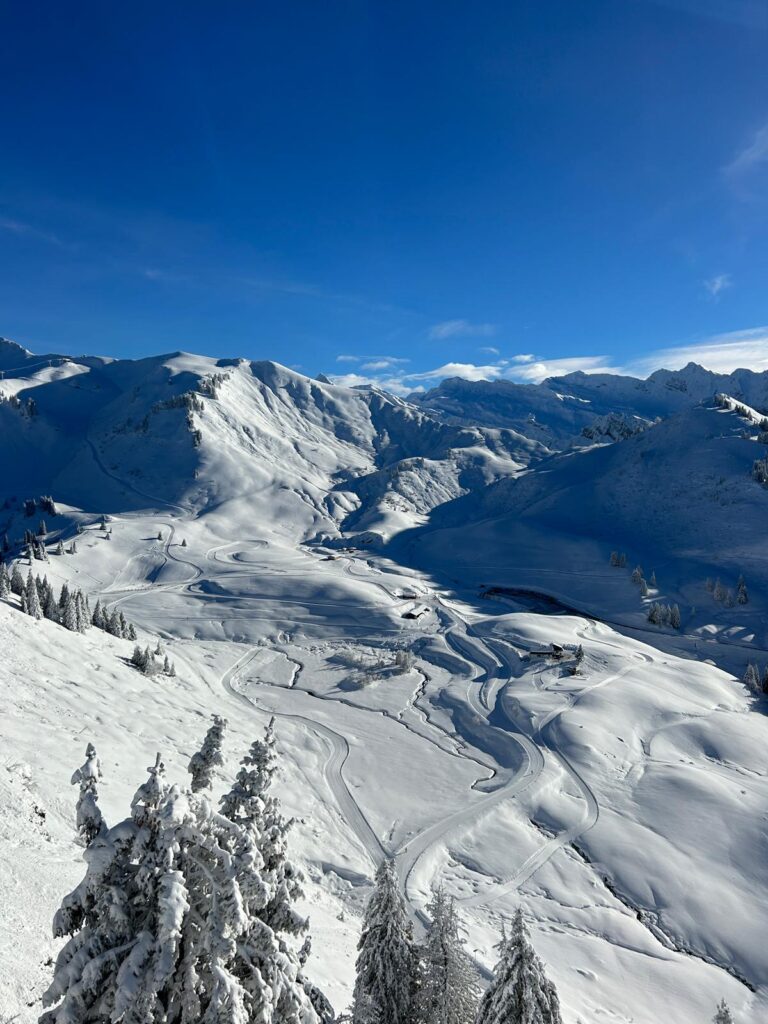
719	591
674	617
520	992
17	581
652	580
73	548
159	534
614	559
90	822
69	614
449	990
384	986
637	574
208	756
752	679
5	581
722	1014
42	529
63	597
764	683
32	598
131	631
97	619
60	547
643	588
742	596
51	606
184	542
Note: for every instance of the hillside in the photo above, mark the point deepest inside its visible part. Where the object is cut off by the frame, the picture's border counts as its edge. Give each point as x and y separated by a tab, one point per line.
323	554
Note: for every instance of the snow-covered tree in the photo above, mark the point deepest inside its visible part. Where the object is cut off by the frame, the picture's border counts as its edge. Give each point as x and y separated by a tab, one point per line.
60	547
614	559
208	757
90	822
5	581
643	588
674	617
652	580
751	679
449	990
722	1014
719	591
520	992
42	529
97	619
637	574
742	595
32	598
17	581
386	960
164	926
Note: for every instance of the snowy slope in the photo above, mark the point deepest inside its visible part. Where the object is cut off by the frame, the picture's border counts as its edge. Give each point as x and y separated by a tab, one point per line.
623	807
678	499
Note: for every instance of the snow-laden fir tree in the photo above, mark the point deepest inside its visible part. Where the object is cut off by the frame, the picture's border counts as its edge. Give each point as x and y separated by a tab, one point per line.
208	757
449	991
5	581
637	574
722	1014
90	822
165	926
386	960
520	992
751	679
674	617
32	598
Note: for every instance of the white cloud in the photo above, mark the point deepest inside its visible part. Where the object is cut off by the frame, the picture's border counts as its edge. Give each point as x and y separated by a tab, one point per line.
461	329
490	350
722	353
347	359
467	371
533	372
717	284
750	156
384	363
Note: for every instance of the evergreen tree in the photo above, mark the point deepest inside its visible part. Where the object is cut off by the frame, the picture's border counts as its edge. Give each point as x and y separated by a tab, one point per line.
643	588
60	547
520	992
449	990
752	679
42	529
51	606
614	559
5	581
637	574
90	822
63	597
97	619
73	548
208	757
384	986
742	596
17	581
652	580
722	1014
69	614
32	598
674	617
131	632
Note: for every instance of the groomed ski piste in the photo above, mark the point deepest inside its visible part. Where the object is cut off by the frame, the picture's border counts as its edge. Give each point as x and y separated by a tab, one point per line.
419	717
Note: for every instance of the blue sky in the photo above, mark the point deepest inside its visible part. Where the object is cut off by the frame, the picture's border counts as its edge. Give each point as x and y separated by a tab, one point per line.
389	191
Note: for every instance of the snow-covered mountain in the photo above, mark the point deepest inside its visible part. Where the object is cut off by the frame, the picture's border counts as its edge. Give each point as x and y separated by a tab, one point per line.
388	578
560	407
